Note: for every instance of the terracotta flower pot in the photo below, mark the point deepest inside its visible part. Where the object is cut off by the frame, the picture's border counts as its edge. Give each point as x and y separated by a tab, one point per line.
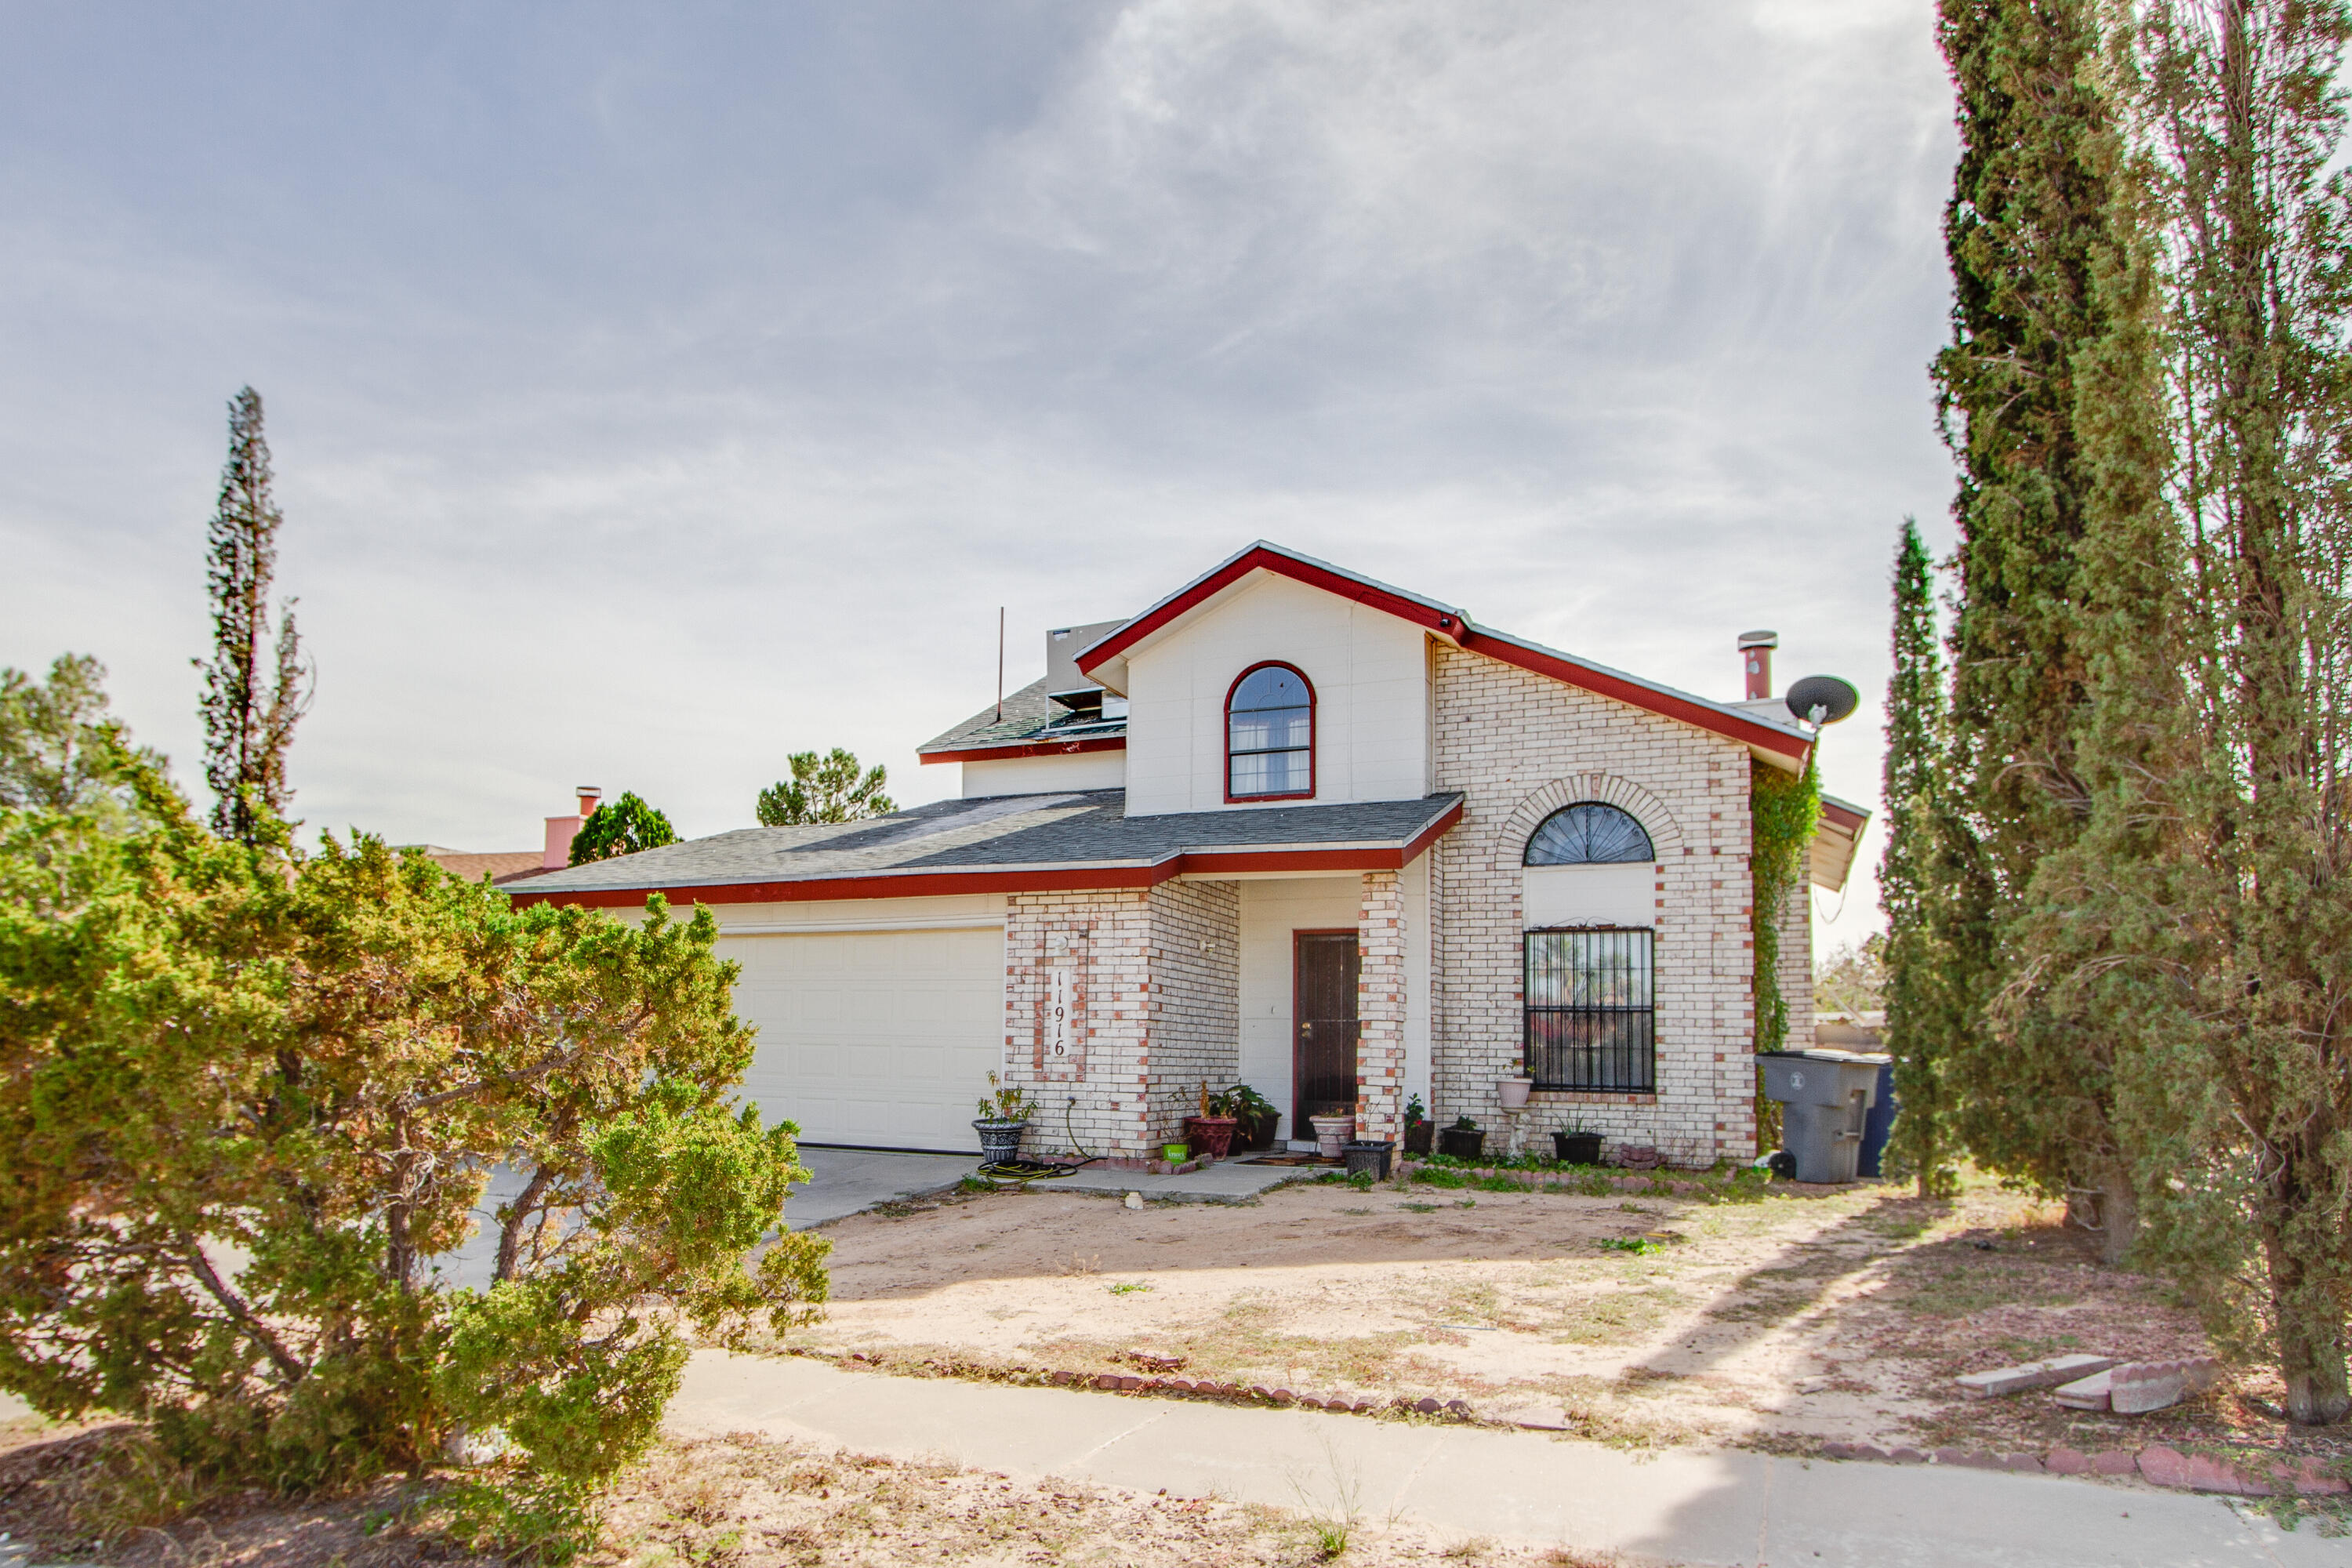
1211	1135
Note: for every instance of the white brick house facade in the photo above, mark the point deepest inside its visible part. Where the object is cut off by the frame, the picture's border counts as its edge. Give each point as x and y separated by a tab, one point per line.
1186	929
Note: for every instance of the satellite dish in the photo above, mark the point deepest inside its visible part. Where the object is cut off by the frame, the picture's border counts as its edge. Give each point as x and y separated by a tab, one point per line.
1823	699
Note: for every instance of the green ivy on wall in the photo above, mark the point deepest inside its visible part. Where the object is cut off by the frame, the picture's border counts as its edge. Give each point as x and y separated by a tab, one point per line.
1784	810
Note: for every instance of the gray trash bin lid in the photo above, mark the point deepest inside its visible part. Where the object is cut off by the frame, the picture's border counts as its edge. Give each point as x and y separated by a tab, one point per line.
1820	1077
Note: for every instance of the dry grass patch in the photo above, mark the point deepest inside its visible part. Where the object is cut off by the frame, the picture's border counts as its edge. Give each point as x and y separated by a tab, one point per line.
1808	1316
95	1495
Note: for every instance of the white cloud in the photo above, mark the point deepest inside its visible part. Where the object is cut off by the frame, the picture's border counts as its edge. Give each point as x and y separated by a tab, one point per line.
659	395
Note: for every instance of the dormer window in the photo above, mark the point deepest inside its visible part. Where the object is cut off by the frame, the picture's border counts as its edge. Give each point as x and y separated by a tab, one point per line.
1270	735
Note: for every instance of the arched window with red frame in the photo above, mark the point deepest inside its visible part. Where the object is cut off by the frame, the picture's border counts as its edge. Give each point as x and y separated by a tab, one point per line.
1270	735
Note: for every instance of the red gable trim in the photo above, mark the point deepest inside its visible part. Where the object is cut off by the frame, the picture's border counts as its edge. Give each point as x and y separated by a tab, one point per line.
1031	879
1447	623
1258	558
1843	816
1029	749
1732	726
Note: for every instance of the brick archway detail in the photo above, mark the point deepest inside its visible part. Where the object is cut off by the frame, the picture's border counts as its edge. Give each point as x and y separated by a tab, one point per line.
1511	843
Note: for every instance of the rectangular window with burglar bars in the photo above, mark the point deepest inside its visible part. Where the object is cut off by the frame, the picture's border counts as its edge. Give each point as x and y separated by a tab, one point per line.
1591	1017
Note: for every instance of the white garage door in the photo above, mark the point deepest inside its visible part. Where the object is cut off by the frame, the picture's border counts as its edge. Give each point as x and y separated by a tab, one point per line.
882	1039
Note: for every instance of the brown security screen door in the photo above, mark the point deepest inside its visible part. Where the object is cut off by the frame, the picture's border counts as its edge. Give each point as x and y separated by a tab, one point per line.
1323	1059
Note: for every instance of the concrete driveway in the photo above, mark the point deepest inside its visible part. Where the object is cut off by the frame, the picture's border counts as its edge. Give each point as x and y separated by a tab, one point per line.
844	1182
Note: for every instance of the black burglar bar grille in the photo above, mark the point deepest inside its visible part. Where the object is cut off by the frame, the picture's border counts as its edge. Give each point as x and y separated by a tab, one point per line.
1592	1024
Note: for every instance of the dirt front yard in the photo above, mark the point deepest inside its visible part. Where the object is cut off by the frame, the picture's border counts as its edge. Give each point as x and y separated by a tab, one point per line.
1807	1317
101	1494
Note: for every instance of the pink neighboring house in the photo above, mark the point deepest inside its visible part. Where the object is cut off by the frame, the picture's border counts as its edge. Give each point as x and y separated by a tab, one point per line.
504	865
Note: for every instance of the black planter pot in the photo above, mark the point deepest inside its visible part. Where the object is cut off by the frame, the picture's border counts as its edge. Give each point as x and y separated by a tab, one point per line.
1461	1144
1418	1136
1369	1154
1575	1148
999	1141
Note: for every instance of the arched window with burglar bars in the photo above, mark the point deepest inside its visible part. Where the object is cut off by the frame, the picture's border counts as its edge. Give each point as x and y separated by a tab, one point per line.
1591	1010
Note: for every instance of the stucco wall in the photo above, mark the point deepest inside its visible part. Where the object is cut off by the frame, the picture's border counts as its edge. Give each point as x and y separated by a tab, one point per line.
1272	910
1041	775
1371	678
1518	746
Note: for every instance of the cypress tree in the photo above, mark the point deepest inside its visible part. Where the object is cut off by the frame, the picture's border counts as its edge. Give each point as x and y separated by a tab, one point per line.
1915	879
2248	938
255	687
2026	230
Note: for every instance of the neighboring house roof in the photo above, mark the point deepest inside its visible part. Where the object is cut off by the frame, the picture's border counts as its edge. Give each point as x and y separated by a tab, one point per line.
1032	843
1034	725
1784	743
501	866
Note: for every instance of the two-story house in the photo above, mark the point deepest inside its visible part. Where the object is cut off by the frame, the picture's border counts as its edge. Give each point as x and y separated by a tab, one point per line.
1289	826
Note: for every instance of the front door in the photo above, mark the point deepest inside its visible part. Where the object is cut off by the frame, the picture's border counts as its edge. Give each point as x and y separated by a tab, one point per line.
1323	1055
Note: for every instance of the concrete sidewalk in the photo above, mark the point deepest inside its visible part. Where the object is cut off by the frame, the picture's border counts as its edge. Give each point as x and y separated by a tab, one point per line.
850	1181
1684	1507
1225	1181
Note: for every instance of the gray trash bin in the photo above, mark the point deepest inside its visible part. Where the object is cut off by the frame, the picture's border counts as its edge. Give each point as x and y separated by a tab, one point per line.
1825	1097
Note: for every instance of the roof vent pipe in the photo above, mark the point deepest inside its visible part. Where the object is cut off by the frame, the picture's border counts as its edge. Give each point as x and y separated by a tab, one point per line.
1756	660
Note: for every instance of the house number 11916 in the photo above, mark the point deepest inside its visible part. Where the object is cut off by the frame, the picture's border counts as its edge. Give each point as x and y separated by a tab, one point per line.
1057	1013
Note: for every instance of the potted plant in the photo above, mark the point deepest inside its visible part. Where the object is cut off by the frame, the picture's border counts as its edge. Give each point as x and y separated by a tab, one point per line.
1513	1090
1258	1117
1211	1132
1462	1141
1004	1116
1332	1132
1576	1145
1419	1130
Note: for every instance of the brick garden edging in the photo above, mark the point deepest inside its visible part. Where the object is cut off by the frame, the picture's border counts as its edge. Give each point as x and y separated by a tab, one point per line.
1195	1388
2159	1464
1645	1182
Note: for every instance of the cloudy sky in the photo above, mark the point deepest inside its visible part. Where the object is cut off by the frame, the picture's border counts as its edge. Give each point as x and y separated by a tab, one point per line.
660	390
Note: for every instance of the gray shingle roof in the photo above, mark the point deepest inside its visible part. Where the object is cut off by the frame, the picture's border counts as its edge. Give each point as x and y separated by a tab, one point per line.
1077	828
1031	717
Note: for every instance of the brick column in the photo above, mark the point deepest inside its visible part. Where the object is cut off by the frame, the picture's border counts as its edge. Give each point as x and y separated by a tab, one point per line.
1380	1008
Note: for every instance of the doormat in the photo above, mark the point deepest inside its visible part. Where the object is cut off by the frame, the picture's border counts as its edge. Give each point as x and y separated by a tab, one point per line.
1290	1160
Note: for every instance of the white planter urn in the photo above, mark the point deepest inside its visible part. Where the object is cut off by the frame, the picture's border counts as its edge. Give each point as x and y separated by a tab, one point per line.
1331	1134
1513	1092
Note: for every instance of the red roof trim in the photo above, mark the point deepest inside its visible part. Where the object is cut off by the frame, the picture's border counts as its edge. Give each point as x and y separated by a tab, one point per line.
1844	816
1448	624
1033	879
1732	726
1259	558
1027	749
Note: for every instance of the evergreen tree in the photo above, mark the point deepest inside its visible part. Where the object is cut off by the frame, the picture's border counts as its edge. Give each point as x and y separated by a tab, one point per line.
2246	935
255	687
310	1067
830	789
1925	1016
58	746
623	827
2028	229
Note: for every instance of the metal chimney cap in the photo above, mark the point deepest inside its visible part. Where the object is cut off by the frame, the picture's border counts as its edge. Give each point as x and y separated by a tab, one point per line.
1759	639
